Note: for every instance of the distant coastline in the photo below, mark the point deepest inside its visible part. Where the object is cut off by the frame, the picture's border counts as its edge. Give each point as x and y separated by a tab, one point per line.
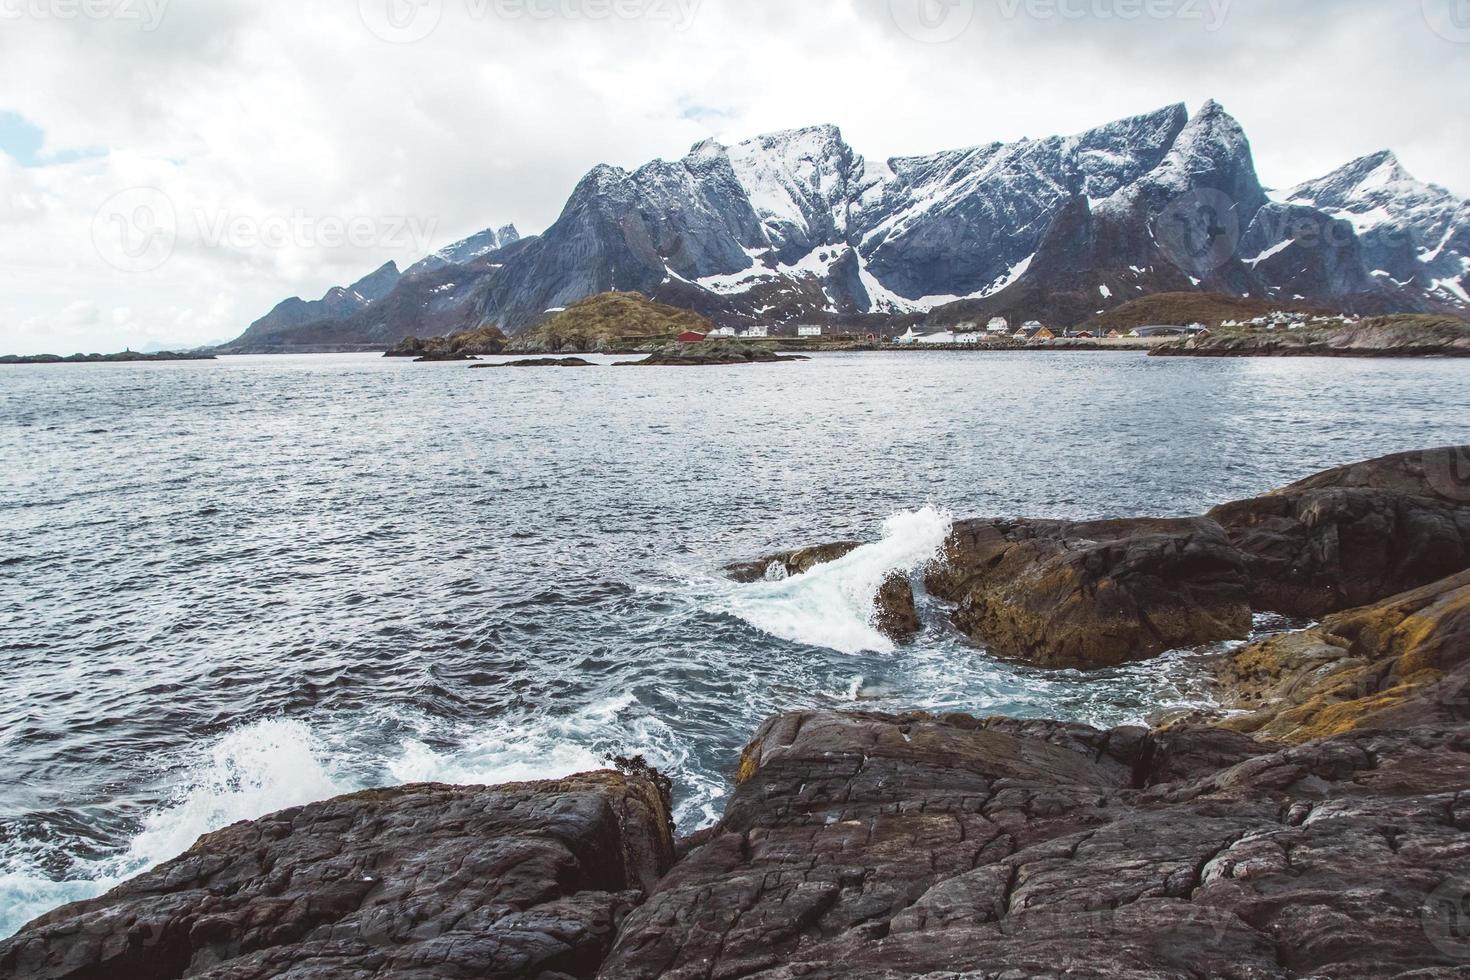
120	357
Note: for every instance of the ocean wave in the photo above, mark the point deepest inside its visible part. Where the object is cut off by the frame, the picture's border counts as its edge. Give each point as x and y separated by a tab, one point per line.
832	604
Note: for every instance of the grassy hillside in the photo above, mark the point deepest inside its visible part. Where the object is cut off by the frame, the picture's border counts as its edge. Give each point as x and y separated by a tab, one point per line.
609	322
1210	309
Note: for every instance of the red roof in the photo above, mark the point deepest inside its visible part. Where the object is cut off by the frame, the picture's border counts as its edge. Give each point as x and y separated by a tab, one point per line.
690	337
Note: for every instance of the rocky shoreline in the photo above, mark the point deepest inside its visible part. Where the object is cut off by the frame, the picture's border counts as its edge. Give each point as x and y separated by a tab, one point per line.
1400	335
1315	824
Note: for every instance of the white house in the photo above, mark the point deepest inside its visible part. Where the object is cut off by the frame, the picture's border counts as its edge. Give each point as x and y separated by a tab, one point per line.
998	324
911	336
950	338
808	330
722	332
756	332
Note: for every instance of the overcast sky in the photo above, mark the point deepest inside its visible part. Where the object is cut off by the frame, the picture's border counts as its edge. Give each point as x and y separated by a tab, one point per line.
285	147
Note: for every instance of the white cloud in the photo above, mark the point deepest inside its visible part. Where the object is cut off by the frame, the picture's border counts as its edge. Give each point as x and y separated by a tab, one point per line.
253	117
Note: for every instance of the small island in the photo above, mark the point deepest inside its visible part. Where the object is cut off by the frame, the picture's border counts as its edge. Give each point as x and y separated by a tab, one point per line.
122	357
536	362
710	353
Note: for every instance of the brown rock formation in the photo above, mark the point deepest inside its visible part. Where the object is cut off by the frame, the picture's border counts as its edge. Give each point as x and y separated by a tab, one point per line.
1399	663
1092	594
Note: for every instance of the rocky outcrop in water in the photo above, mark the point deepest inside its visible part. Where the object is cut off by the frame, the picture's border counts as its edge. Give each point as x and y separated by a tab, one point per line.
522	880
540	362
1098	593
1092	594
454	347
878	846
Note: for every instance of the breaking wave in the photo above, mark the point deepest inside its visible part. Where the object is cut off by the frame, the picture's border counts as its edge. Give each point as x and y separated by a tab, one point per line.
276	763
832	604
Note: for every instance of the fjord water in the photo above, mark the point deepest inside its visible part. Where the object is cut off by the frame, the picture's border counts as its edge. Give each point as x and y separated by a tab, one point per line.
230	587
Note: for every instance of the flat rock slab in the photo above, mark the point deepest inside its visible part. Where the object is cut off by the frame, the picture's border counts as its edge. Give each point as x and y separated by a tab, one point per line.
427	881
875	846
1355	534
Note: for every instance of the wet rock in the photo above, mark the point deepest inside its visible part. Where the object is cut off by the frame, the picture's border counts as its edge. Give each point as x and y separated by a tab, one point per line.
793	562
1356	534
881	846
1396	664
895	613
1092	594
522	880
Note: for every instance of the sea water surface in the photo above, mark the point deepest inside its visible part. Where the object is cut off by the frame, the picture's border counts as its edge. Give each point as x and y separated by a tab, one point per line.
233	586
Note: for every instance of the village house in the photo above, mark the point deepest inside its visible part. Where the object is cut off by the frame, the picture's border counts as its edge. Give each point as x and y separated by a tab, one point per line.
756	332
722	332
808	330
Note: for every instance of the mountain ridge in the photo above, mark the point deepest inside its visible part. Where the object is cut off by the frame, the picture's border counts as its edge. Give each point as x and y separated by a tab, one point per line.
797	226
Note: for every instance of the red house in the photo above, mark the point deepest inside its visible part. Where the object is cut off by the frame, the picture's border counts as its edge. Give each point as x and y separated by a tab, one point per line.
690	337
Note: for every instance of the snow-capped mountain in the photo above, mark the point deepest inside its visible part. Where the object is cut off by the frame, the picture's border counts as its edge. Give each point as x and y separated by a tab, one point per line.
1410	231
796	225
467	250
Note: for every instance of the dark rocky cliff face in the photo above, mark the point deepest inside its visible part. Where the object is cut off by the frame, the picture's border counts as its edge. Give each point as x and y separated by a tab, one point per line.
796	225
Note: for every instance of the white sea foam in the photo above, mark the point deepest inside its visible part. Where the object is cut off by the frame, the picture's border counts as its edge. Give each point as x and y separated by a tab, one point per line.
253	770
832	604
